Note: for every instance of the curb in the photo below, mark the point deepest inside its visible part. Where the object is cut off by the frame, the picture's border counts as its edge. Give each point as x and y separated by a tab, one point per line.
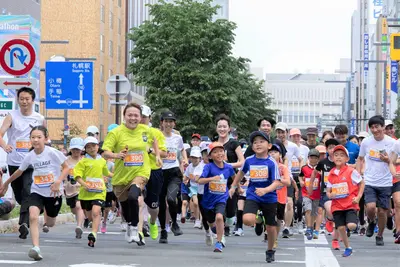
11	226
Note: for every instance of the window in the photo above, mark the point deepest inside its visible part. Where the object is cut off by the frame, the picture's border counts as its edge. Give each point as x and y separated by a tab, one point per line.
101	103
102	13
119	26
111	17
102	73
101	131
119	53
119	3
110	48
101	42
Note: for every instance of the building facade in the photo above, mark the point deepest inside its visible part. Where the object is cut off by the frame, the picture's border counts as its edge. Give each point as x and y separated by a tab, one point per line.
93	31
305	100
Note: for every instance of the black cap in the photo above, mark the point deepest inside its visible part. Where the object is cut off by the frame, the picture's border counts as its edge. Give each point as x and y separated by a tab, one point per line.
313	152
258	133
270	120
276	147
168	115
331	141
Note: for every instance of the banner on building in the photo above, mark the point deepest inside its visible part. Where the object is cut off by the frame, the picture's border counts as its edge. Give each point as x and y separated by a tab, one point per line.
366	51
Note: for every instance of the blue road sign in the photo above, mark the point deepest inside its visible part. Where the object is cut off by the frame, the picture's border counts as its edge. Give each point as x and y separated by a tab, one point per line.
69	85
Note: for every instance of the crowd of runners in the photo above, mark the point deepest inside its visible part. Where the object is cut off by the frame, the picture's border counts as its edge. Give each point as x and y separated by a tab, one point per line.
277	181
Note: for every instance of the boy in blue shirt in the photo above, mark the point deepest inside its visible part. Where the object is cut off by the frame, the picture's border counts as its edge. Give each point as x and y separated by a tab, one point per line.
261	192
215	177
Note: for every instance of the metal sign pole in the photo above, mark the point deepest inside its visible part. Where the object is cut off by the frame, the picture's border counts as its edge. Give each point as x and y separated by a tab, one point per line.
117	99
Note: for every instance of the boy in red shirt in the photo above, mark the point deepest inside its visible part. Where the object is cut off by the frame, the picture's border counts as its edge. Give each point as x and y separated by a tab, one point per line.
311	202
345	187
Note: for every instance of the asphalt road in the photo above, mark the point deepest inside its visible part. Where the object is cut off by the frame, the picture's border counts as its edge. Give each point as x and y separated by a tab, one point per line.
60	248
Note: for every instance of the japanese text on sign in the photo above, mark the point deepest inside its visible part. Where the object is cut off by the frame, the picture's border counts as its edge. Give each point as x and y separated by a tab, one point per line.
366	51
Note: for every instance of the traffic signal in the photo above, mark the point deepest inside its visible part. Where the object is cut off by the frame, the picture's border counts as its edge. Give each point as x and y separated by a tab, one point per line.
395	46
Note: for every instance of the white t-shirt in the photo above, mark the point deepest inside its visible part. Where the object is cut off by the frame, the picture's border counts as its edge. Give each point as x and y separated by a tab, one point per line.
174	145
18	135
192	171
46	169
292	154
377	172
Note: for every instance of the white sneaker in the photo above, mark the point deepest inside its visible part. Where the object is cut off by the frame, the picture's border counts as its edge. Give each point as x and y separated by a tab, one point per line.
197	224
134	233
34	253
239	232
178	217
128	234
209	239
168	228
223	241
124	226
290	231
111	217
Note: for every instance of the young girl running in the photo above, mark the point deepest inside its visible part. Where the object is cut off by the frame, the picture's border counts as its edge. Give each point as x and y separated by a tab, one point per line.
47	185
89	173
72	187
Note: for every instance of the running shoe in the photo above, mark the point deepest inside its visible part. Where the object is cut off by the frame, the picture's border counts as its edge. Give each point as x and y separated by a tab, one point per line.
347	252
309	234
23	230
270	256
110	217
227	231
239	232
176	229
362	231
197	224
285	233
290	231
163	237
45	229
397	238
91	239
370	229
379	241
179	217
265	240
223	241
103	228
335	244
34	253
141	241
275	244
124	226
153	228
209	239
128	234
146	231
78	232
348	232
218	247
259	229
329	226
315	234
168	228
135	234
86	223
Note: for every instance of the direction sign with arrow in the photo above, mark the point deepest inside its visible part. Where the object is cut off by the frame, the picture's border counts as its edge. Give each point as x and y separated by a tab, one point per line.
16	83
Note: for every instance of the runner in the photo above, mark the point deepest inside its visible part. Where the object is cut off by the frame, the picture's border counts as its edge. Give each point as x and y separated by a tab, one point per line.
374	153
341	134
89	172
195	141
326	136
18	125
345	187
312	133
389	129
128	145
47	186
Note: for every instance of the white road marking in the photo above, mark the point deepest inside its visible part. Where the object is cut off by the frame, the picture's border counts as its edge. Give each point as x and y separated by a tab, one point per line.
320	257
101	265
56	241
290	261
290	248
11	252
107	233
263	253
17	262
320	241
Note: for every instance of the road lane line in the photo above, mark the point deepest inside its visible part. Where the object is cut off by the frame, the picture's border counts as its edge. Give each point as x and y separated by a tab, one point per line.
11	252
320	241
290	261
320	257
17	262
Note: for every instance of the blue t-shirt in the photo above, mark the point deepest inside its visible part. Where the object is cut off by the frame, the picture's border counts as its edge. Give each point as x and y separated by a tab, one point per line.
353	149
216	192
184	189
263	172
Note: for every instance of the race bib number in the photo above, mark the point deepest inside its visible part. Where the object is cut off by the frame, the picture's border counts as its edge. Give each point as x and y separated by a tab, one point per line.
95	185
43	179
374	154
71	173
134	159
22	145
258	173
341	190
295	166
171	156
218	188
315	183
326	176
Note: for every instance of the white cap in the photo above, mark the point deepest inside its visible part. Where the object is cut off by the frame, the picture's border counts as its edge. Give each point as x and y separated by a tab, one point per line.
146	111
186	146
204	145
281	126
195	152
76	143
363	134
92	129
388	122
91	140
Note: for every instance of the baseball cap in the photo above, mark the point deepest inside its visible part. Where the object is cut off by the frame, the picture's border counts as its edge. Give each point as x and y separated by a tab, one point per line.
195	152
214	145
204	145
258	133
76	143
276	147
92	129
146	111
168	115
313	152
312	131
388	122
340	147
111	127
363	134
196	135
91	140
321	149
331	141
294	131
281	126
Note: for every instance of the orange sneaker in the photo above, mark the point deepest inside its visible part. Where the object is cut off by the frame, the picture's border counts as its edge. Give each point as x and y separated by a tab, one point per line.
335	244
329	226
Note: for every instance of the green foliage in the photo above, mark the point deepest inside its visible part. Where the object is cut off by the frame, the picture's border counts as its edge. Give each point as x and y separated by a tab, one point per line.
184	58
74	131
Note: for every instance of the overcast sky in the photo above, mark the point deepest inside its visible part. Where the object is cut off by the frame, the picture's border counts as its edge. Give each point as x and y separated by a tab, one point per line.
293	35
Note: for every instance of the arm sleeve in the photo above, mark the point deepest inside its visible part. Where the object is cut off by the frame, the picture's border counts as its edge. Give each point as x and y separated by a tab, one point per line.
106	172
356	177
274	171
246	166
79	169
198	170
180	144
110	142
206	171
59	157
25	163
363	151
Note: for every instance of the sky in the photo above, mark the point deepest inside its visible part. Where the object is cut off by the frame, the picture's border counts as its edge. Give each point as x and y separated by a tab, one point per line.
293	35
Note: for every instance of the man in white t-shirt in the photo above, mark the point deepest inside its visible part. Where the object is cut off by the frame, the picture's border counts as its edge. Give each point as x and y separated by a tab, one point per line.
374	153
18	125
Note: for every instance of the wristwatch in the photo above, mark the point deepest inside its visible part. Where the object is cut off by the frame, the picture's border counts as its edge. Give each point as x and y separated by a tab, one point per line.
150	150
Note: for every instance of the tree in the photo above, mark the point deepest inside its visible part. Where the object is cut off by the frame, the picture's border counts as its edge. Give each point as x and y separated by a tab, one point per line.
185	60
74	131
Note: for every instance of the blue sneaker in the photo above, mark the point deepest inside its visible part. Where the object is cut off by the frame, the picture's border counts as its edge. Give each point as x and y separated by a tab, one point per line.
315	234
309	234
218	247
347	252
376	229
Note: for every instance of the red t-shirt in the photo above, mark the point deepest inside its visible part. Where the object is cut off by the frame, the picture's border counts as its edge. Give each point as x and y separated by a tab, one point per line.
344	183
305	173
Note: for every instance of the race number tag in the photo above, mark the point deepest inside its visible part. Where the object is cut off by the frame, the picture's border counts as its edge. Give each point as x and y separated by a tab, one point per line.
71	173
326	177
374	154
341	190
171	156
217	187
295	166
22	145
43	179
134	158
258	173
315	183
95	185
